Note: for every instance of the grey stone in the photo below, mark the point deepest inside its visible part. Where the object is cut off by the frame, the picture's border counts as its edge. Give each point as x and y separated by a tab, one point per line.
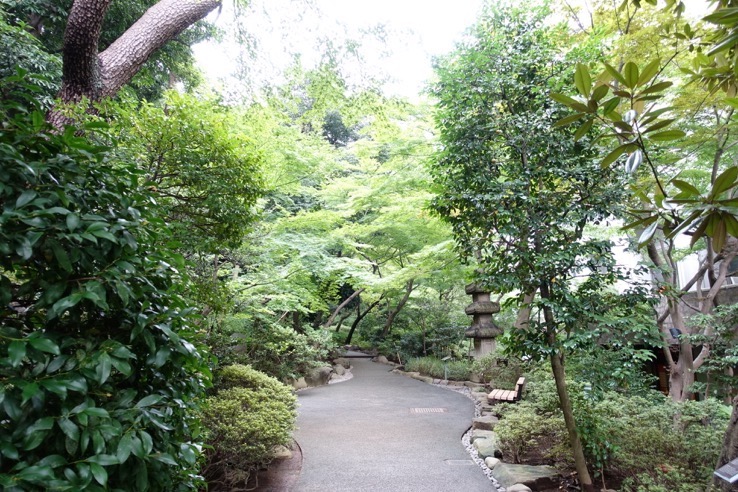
341	361
480	396
299	384
486	422
319	376
281	453
472	384
488	447
491	462
518	487
381	359
534	477
481	434
425	379
487	409
339	369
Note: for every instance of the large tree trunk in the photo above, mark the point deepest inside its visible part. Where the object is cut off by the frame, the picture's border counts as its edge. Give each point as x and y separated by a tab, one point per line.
393	313
87	74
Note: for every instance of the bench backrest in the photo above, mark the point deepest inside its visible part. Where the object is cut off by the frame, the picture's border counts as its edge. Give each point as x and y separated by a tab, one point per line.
519	386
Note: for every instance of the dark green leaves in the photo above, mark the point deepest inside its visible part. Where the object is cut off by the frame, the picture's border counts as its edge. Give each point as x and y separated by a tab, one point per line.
82	265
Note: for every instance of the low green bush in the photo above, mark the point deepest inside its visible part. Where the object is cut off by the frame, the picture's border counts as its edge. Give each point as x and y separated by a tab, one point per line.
276	350
250	414
498	370
456	370
523	426
650	442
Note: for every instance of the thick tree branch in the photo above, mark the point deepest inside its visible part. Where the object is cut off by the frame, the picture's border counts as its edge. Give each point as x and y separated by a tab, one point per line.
343	305
159	24
89	74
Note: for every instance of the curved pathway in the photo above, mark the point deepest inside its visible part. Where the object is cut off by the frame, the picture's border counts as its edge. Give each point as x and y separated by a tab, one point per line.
364	435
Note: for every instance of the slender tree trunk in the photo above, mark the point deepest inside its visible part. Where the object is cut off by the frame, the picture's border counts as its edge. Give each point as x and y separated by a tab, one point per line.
318	319
341	306
341	320
359	317
557	366
393	313
296	322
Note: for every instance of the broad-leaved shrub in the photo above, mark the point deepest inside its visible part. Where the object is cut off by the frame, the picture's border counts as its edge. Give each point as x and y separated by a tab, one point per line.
99	380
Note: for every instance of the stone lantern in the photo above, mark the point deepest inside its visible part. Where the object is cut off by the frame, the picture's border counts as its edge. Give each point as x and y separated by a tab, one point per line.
483	329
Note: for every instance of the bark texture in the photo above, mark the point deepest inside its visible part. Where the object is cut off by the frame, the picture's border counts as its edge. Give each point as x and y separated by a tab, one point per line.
162	22
87	73
81	70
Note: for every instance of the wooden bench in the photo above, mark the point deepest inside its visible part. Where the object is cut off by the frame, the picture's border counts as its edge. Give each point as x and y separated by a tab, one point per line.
500	395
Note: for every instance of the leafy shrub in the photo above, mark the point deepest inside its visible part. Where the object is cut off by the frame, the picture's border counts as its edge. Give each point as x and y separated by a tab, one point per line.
100	382
23	52
674	445
651	441
271	348
250	415
411	342
457	370
500	371
523	427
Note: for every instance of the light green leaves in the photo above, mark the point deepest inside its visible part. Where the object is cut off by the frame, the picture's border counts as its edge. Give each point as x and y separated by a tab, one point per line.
666	136
630	75
582	80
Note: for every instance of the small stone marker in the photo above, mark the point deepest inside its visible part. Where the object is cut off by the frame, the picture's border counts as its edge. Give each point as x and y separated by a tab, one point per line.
728	472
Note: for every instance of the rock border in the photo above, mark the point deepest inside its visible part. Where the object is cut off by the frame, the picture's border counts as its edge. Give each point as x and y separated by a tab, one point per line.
339	372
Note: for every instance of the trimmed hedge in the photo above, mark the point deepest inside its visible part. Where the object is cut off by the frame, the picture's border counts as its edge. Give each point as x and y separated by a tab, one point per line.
250	415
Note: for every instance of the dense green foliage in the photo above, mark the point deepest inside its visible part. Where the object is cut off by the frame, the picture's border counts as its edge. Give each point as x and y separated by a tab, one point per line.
22	51
250	414
268	216
521	193
99	379
646	442
271	348
206	178
498	371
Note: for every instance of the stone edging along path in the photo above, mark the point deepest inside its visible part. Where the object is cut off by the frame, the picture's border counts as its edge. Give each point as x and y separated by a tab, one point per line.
481	442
